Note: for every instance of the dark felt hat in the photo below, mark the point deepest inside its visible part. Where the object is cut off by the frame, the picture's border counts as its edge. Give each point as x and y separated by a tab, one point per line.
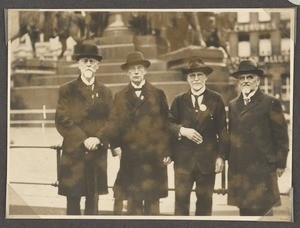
248	66
135	58
87	51
197	65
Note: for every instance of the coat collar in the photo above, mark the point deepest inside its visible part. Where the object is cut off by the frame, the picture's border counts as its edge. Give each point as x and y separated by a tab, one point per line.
133	99
255	99
83	91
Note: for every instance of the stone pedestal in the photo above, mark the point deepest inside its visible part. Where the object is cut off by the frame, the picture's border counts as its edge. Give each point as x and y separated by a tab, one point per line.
117	40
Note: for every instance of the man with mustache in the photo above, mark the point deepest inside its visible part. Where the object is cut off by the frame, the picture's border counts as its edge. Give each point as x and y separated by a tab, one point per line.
83	109
197	120
259	145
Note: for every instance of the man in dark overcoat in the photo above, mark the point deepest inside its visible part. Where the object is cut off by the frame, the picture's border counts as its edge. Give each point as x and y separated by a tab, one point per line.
83	109
197	120
139	117
259	145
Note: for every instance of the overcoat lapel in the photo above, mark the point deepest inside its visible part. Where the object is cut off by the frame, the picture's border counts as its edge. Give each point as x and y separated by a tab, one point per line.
189	106
255	100
135	101
82	90
240	103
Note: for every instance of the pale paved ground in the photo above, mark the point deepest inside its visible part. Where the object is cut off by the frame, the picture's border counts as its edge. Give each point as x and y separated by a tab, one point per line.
39	166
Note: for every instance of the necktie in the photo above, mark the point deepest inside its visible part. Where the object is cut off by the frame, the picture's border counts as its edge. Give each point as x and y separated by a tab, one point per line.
246	101
90	89
138	92
197	102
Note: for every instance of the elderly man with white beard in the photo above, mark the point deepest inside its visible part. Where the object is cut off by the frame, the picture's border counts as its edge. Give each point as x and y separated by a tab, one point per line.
82	112
259	145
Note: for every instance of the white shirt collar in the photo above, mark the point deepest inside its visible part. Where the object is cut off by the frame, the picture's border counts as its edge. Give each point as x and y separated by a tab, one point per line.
140	86
197	93
249	95
86	81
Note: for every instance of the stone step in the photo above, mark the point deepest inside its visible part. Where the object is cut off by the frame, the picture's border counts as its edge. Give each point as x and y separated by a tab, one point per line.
37	80
35	97
111	67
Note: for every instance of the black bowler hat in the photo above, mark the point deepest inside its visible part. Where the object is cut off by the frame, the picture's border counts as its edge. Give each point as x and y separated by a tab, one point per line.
135	58
197	65
87	51
248	66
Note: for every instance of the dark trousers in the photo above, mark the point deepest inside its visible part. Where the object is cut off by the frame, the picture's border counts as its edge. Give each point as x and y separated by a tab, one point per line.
204	190
91	205
256	212
143	207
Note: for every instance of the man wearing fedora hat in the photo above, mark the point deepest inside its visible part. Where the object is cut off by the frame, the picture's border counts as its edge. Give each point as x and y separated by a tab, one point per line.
197	120
82	111
139	120
259	145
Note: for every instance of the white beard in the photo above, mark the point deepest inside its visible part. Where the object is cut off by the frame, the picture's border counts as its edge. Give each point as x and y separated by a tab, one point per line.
246	90
88	74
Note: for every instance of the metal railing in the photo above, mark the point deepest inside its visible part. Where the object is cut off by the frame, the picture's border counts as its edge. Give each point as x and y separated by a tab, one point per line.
58	150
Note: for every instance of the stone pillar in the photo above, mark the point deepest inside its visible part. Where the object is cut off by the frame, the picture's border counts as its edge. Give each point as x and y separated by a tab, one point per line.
276	35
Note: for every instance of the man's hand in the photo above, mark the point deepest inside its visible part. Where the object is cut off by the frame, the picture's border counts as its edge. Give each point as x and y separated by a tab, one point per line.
191	134
91	143
279	172
167	160
219	165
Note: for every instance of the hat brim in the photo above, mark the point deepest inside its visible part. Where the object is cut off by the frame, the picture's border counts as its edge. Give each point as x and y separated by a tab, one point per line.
258	72
145	63
98	57
206	70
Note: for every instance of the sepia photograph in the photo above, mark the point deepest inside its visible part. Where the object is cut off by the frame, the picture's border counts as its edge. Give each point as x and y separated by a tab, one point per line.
174	114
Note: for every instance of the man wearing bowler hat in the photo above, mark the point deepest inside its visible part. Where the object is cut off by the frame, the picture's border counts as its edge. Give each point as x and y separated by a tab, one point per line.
259	145
83	109
139	120
197	120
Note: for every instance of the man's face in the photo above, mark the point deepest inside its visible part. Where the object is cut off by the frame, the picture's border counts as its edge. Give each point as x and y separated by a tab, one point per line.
248	82
88	67
196	80
136	73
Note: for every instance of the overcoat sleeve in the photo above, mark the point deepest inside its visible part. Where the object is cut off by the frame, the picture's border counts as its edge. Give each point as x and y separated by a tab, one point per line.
102	134
112	129
279	130
63	120
221	129
174	118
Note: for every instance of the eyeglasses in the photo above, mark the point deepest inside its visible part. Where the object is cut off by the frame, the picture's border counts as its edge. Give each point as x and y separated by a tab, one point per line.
134	68
200	76
86	60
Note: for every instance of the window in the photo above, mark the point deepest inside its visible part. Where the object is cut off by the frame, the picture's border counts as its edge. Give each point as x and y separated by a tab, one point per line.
285	46
284	16
244	48
264	16
265	46
267	85
243	17
285	87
